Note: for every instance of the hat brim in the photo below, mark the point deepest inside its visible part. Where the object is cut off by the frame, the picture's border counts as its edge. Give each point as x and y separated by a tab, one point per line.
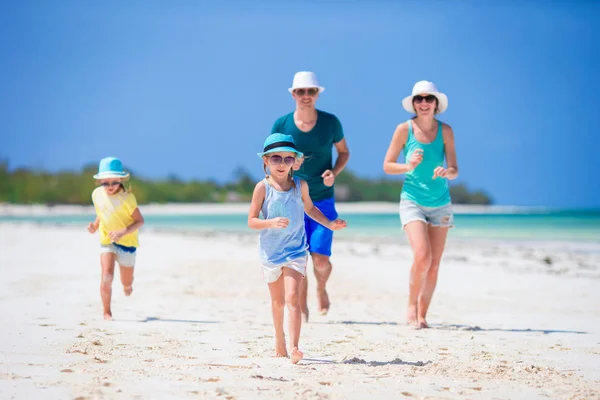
407	102
299	154
321	88
108	175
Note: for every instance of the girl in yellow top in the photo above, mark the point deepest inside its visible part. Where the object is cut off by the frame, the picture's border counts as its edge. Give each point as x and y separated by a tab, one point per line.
118	219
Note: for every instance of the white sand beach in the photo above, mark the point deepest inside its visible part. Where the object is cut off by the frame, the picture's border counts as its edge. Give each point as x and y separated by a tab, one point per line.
509	321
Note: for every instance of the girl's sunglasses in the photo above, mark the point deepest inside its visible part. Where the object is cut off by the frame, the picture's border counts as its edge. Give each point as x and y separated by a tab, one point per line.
277	160
311	91
111	183
429	98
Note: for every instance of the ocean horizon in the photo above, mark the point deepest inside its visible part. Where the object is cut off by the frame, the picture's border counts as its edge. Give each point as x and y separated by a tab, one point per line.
520	224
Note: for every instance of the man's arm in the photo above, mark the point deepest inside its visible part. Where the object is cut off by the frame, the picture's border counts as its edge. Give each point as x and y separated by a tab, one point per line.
343	155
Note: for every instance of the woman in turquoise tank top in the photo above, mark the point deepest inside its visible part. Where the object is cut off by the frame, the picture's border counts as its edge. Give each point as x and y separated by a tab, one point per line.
425	204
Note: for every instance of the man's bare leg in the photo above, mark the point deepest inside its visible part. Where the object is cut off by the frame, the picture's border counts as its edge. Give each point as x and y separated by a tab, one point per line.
322	267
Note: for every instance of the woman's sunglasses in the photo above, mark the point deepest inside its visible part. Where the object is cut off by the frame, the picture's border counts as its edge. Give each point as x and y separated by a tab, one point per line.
429	98
277	160
111	183
311	91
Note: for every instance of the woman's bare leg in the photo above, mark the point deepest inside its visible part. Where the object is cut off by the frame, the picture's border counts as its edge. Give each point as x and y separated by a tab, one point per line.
418	238
437	240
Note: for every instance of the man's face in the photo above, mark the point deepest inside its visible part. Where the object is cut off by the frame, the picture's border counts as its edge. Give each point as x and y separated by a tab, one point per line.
305	97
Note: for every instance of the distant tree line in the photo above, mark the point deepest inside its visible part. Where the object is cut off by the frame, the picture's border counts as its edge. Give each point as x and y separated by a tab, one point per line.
30	186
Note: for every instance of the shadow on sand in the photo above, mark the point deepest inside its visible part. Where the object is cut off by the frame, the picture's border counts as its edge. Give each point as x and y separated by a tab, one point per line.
358	361
454	327
156	319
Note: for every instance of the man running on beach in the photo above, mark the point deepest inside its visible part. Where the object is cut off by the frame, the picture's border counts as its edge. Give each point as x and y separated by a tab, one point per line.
315	132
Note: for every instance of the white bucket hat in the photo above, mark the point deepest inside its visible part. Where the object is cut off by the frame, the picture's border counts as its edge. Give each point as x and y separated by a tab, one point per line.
425	87
305	80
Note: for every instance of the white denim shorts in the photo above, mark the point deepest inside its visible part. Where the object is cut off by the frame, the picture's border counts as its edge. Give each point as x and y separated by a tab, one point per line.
271	273
124	258
435	216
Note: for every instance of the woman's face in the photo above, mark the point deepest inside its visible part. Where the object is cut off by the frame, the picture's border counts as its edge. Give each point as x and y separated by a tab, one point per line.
425	104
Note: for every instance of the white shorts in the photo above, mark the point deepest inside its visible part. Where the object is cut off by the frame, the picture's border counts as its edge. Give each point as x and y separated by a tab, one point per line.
124	258
272	272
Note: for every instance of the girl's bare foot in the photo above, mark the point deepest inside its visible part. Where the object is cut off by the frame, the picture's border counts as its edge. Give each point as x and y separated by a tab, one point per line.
296	355
323	301
127	290
304	311
280	348
422	324
107	316
304	315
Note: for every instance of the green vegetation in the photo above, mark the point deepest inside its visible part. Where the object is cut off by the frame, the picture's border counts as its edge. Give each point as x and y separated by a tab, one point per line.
27	186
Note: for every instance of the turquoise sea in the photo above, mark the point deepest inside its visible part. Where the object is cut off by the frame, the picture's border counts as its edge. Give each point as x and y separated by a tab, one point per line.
582	226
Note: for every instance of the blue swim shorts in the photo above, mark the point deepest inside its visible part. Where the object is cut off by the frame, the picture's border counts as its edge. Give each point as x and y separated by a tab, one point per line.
320	238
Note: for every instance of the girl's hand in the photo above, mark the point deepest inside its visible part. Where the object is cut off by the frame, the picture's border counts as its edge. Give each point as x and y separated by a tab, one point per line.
115	236
279	223
92	227
337	224
440	171
415	158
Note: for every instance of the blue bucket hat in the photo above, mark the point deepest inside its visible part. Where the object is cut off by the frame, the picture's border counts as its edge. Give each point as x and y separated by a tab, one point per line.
111	167
277	142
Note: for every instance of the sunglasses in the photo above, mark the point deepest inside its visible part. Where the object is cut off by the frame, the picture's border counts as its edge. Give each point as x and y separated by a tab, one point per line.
429	98
311	91
110	183
277	160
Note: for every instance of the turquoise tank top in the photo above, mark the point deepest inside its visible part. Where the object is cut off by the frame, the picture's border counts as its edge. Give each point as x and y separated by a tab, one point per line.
419	185
279	246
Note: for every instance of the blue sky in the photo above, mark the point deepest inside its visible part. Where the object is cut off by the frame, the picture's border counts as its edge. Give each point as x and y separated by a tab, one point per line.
192	88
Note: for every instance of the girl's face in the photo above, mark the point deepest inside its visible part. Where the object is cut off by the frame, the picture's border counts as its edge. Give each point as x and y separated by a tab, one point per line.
425	104
111	185
280	163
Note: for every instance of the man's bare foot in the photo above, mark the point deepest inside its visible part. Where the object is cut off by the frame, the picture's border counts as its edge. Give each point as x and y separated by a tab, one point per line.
127	290
107	316
411	316
296	355
323	301
280	348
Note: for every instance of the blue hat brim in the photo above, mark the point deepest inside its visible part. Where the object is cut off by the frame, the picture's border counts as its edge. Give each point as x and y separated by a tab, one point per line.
299	154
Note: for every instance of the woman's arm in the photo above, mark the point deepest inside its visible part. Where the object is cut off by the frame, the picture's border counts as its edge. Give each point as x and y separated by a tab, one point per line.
390	163
451	170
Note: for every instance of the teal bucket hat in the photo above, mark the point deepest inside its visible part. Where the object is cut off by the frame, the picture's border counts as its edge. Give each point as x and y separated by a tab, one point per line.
277	142
111	167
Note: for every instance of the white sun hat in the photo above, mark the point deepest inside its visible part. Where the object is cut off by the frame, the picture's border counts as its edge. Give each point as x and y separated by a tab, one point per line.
425	87
305	80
